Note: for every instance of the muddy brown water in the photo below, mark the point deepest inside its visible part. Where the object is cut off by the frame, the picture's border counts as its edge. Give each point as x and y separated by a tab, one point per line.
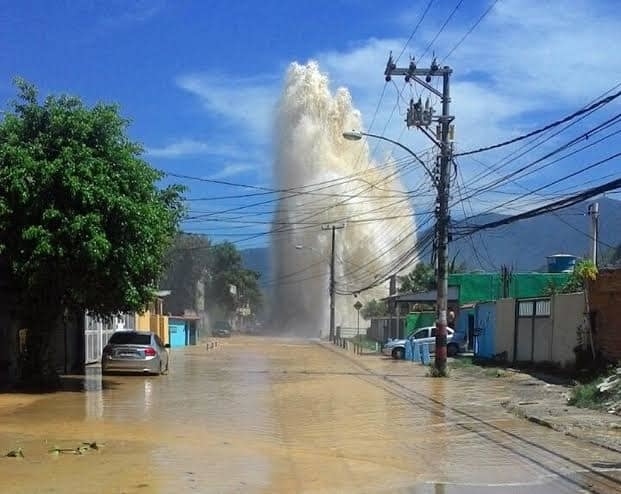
262	415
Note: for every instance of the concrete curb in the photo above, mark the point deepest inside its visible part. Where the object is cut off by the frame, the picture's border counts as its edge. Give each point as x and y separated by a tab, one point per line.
350	346
522	412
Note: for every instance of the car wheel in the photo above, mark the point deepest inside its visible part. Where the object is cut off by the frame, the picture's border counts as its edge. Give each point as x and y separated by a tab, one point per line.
398	353
452	349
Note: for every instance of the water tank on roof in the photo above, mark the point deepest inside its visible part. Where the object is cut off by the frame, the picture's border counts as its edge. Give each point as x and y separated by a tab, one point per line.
561	263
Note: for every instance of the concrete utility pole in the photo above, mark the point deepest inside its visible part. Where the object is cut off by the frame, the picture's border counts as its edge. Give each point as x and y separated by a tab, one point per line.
421	116
332	277
593	212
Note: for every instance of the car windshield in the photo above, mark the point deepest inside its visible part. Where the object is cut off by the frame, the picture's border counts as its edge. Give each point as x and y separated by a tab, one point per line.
130	338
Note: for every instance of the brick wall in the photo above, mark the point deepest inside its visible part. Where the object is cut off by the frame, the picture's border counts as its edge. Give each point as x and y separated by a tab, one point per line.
605	301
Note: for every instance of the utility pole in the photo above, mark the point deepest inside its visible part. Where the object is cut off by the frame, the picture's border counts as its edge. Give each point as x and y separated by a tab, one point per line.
506	276
332	277
421	116
593	212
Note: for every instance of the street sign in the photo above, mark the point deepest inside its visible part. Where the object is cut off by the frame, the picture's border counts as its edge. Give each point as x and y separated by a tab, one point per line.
358	305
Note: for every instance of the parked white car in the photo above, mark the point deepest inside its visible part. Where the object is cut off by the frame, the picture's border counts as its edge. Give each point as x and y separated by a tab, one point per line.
396	348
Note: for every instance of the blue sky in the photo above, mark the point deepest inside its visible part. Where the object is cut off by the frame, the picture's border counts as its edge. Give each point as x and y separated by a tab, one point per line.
199	80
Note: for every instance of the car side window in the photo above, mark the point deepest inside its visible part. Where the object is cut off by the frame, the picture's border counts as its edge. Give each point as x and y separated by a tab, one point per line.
421	334
433	333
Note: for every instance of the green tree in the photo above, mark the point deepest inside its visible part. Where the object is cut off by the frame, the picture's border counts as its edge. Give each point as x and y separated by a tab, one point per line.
373	308
421	279
187	264
83	224
226	270
584	271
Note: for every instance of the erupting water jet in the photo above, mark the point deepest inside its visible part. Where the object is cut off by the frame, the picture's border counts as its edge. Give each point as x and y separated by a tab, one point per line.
326	179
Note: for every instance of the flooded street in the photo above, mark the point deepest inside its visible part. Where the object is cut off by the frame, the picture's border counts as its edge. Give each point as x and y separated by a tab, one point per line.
263	415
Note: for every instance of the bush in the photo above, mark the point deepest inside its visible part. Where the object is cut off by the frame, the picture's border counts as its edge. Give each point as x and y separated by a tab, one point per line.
586	396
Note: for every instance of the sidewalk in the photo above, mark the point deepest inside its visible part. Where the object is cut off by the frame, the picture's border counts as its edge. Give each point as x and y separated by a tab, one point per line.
517	392
546	404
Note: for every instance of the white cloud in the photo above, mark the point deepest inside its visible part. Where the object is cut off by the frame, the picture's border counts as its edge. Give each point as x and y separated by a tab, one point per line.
521	59
192	147
139	12
230	171
247	103
526	59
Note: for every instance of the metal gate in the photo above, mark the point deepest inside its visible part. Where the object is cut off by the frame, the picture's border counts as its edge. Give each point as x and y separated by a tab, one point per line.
97	332
533	331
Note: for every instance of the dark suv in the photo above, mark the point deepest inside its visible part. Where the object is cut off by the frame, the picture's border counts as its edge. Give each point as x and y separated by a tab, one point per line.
222	328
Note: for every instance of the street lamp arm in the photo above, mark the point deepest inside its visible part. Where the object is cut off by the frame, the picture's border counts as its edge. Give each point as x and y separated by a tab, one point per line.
356	135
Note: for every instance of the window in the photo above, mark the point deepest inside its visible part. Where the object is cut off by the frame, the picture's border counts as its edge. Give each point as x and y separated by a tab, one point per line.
421	334
130	338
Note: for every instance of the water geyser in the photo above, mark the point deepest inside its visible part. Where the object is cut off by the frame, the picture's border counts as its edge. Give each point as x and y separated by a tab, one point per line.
326	179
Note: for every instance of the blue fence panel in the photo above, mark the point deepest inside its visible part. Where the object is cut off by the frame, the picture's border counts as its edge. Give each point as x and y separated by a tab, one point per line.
485	329
425	355
408	350
416	352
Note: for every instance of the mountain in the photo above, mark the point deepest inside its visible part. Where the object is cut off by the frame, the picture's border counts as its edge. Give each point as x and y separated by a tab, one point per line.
524	244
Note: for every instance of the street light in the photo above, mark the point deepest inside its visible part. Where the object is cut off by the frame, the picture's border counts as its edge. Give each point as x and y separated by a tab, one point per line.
442	232
356	135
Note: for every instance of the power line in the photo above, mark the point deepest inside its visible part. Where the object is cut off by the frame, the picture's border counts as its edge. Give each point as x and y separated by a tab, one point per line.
510	176
554	206
469	32
530	146
597	104
420	21
448	19
566	177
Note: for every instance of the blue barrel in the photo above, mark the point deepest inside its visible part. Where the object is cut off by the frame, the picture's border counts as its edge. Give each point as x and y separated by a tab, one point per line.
416	351
408	350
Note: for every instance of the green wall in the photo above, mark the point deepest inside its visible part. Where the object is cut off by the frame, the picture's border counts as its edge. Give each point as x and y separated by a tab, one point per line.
482	287
415	320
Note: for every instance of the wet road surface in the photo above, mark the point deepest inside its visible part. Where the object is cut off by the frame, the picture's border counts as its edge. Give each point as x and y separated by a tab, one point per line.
262	415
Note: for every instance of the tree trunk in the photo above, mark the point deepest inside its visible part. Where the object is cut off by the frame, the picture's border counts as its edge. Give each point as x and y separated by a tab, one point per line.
37	369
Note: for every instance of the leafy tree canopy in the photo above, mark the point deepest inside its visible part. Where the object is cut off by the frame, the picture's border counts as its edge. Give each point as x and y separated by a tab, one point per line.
423	277
584	271
373	308
225	270
187	265
192	259
420	279
83	223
